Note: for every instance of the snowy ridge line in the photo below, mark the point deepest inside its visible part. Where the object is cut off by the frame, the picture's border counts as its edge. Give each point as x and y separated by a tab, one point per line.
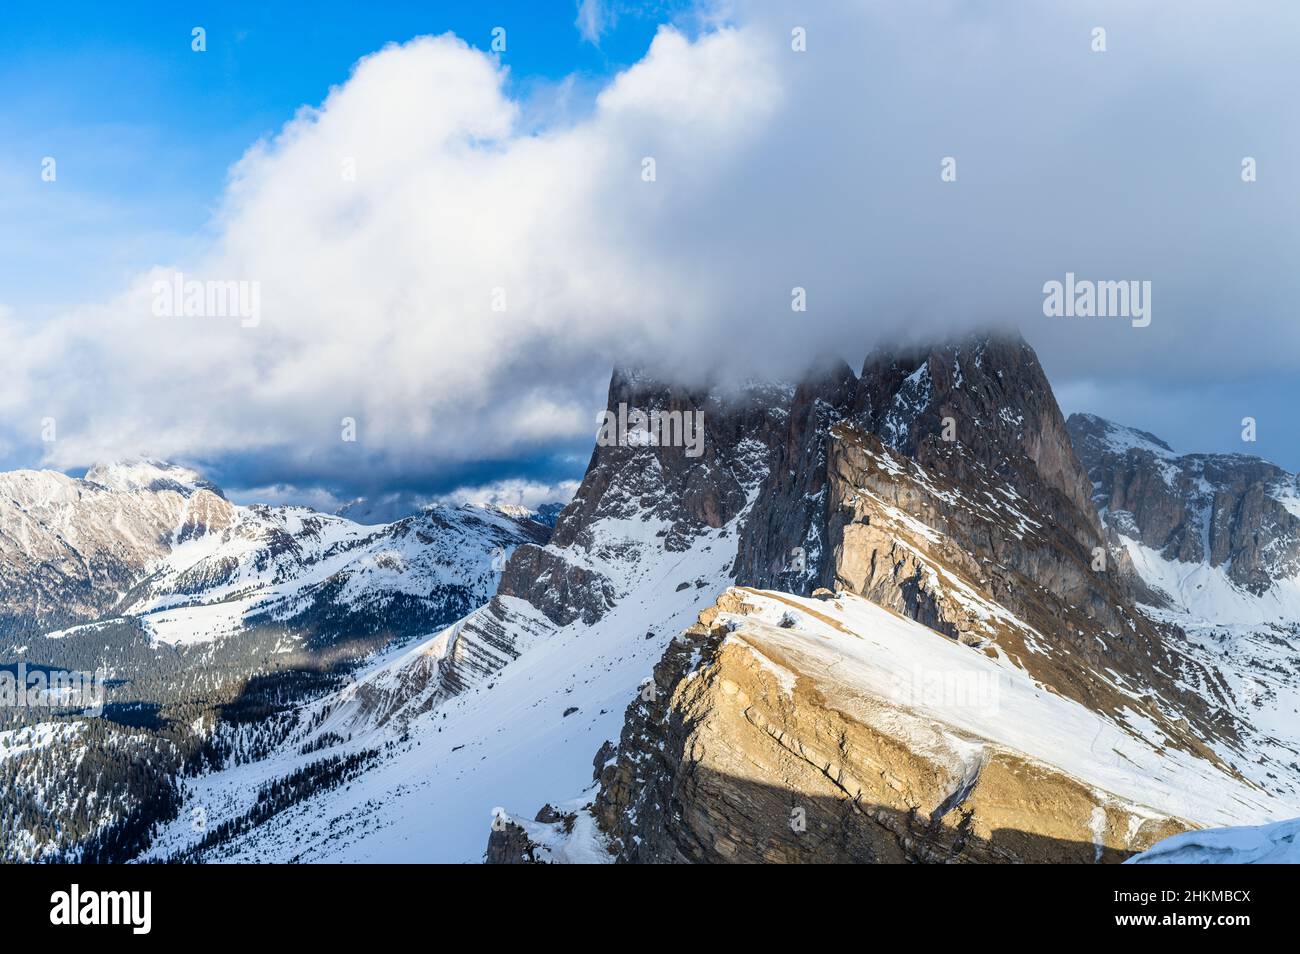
871	652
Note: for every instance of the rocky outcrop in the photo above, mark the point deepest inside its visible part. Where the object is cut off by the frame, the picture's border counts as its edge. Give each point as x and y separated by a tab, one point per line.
562	590
942	483
509	844
642	477
1232	511
735	754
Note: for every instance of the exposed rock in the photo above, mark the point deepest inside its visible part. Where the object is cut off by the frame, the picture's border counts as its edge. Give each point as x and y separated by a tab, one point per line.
728	765
1224	510
562	590
1002	412
549	815
603	757
943	485
509	844
786	542
70	547
690	493
591	558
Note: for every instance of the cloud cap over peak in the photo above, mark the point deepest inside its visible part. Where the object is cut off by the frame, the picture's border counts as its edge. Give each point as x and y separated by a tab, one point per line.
446	285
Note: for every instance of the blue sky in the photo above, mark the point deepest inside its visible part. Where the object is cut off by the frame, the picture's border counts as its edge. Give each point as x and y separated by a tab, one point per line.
145	129
523	172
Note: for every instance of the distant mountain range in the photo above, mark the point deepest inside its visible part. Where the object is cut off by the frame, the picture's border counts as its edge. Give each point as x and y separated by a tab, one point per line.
156	542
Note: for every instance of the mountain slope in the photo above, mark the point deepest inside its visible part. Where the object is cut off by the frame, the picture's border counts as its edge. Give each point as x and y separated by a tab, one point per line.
326	577
211	625
1214	537
967	560
1235	515
69	547
832	730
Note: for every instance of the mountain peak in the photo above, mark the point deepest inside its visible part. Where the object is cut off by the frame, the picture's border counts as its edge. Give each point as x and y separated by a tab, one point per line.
144	473
1115	437
1237	514
986	392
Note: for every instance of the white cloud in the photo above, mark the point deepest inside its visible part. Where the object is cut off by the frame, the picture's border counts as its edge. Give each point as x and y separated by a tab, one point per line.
514	492
284	494
377	295
774	169
593	20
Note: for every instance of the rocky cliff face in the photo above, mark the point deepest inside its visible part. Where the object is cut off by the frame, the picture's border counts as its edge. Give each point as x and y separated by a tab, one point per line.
940	486
644	510
1232	511
689	493
787	541
639	479
977	417
756	755
70	547
991	394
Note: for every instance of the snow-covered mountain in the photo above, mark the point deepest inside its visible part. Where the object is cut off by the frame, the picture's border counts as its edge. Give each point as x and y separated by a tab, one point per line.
1217	534
157	542
326	577
885	600
209	621
1215	539
70	547
388	508
143	474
